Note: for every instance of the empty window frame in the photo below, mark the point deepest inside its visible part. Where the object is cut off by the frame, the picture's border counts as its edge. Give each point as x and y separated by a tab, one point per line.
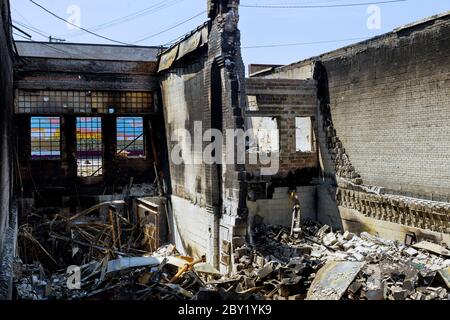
89	147
265	136
130	137
304	134
45	138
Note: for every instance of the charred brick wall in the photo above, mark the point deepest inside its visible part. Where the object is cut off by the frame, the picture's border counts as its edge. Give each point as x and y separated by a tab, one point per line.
183	94
8	225
382	127
388	103
284	100
39	75
6	105
206	86
390	106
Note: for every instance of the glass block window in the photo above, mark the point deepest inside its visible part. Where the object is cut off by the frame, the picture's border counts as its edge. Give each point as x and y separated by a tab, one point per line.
130	137
84	102
89	147
45	138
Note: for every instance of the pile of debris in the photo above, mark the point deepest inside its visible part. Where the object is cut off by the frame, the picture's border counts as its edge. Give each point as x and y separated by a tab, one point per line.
57	240
313	264
104	252
165	275
319	264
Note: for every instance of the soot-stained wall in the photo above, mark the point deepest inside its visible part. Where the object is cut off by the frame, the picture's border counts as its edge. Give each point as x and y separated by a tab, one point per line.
206	85
383	134
391	108
8	224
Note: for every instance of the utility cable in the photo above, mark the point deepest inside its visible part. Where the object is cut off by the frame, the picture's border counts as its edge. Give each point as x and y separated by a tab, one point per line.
81	28
301	43
170	28
258	6
135	15
33	29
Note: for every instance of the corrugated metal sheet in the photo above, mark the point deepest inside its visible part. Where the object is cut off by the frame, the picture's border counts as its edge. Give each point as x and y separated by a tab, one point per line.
190	44
168	58
198	39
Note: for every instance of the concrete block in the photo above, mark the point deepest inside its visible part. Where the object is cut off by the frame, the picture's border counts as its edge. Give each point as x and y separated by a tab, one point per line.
411	252
266	270
348	236
358	256
329	240
398	293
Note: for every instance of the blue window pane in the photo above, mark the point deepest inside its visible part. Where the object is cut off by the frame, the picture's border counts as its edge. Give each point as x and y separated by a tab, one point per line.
130	137
45	138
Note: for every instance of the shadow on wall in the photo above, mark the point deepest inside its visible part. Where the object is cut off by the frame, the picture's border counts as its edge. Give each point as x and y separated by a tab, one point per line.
327	206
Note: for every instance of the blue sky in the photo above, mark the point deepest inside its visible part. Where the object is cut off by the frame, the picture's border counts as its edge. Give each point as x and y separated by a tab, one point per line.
331	27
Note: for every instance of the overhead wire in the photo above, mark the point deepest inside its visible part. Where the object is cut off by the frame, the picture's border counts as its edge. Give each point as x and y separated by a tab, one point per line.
73	24
302	43
66	53
293	6
135	15
46	45
170	28
33	29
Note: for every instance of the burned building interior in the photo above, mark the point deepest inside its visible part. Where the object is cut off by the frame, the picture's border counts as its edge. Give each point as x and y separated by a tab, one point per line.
362	185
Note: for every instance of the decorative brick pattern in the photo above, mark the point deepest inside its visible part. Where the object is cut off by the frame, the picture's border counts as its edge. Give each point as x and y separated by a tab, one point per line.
424	214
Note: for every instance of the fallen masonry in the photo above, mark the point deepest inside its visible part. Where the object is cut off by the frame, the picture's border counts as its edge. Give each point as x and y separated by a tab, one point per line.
315	264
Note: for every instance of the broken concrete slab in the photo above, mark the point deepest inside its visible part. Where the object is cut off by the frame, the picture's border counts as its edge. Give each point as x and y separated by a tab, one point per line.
445	275
432	247
348	236
329	240
333	280
411	252
267	270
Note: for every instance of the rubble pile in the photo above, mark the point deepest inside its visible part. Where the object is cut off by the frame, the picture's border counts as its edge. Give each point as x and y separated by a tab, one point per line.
58	240
312	264
163	276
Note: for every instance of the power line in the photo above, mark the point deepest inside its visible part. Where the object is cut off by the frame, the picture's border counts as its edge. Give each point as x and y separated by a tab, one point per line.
170	28
69	54
146	11
301	3
81	28
33	29
20	30
40	32
257	6
302	43
21	36
46	45
21	15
